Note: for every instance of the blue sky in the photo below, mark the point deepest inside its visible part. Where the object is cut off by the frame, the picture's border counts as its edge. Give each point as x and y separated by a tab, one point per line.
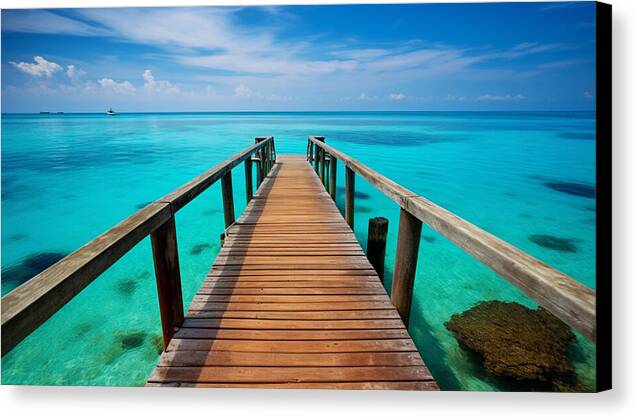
498	56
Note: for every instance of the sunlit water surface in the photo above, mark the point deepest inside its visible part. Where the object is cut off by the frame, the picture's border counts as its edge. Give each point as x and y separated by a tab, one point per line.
67	178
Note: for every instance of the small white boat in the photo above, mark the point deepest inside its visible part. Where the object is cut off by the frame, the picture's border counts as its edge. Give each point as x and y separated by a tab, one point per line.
111	112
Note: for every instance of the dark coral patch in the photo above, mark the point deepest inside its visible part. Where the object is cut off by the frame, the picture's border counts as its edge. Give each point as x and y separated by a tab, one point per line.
18	237
158	343
428	238
358	195
199	248
126	286
29	267
210	212
551	242
132	340
143	205
517	343
526	215
574	189
362	209
82	329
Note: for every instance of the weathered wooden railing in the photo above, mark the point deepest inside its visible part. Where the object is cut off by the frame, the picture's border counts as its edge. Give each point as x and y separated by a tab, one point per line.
569	300
31	304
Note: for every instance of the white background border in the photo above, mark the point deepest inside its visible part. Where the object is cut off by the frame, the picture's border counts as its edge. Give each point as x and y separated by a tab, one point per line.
16	401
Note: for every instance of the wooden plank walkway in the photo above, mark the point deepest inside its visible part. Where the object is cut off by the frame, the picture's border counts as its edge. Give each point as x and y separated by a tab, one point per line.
292	302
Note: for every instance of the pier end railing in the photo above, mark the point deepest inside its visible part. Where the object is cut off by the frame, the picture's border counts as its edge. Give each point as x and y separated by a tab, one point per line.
562	295
28	306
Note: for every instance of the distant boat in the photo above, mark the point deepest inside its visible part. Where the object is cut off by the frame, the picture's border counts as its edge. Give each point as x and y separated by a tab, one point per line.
111	112
45	113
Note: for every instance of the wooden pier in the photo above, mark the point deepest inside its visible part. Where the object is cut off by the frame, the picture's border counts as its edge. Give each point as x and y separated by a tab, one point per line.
291	300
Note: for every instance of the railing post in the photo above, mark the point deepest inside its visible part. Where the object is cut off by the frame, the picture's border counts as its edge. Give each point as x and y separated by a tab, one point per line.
166	260
377	243
261	165
257	161
310	151
322	168
317	154
248	171
317	151
409	230
349	196
228	202
332	182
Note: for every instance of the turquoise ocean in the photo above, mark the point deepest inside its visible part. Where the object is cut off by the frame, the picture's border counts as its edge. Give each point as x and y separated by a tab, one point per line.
527	177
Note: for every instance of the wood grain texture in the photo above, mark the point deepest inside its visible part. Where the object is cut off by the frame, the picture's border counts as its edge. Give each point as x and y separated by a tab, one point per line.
168	278
569	300
292	301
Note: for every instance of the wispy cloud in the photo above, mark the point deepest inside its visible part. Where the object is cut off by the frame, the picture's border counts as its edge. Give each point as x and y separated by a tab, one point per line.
41	67
244	92
501	98
73	72
397	96
111	85
159	86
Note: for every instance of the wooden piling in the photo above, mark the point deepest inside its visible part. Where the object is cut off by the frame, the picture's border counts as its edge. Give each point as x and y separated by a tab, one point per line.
332	182
409	230
322	168
166	260
377	243
317	153
228	201
310	152
248	172
350	178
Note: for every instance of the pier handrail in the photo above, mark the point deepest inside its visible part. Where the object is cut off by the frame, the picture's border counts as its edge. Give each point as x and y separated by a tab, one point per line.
569	300
28	306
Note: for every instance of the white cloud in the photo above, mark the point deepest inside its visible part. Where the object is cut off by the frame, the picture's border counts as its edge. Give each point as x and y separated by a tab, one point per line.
587	95
40	68
503	98
397	96
160	86
73	72
110	84
243	91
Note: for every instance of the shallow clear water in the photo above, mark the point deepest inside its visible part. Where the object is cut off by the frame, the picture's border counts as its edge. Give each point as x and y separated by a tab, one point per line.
67	178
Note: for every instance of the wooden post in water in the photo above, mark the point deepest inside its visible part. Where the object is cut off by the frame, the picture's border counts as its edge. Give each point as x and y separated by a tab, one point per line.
317	152
228	202
248	171
166	260
349	196
310	152
332	182
261	164
377	243
322	169
409	230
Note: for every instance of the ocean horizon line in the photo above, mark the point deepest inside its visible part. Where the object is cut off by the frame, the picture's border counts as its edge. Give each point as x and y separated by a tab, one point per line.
226	112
